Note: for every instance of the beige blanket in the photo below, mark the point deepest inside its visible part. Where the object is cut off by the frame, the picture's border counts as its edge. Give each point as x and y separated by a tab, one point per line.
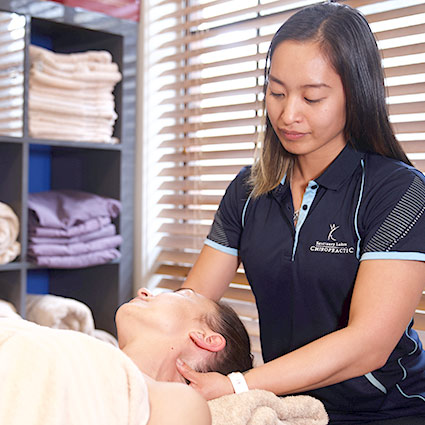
259	407
52	377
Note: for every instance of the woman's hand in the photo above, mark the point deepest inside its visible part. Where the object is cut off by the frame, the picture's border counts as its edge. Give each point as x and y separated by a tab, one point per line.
210	385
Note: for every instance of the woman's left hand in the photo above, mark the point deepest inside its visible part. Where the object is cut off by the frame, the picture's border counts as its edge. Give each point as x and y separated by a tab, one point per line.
210	385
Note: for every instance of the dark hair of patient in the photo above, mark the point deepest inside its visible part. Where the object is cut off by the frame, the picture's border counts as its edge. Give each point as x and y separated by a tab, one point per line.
236	356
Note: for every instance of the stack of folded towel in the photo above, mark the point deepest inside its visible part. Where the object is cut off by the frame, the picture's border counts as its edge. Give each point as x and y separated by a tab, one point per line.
71	95
10	248
71	229
12	33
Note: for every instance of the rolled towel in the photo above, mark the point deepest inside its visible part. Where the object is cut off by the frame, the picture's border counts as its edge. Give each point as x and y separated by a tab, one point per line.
9	230
59	313
64	313
260	407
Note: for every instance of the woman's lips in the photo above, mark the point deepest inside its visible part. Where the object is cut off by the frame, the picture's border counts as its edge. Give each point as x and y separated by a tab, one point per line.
292	135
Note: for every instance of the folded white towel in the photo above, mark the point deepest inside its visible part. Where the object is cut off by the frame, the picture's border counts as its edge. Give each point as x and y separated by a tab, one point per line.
259	407
9	230
100	56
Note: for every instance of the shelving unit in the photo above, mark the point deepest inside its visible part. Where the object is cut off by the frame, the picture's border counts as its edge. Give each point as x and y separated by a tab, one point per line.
99	168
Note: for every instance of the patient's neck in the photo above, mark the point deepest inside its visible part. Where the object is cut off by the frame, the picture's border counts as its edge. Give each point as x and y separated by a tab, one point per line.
157	360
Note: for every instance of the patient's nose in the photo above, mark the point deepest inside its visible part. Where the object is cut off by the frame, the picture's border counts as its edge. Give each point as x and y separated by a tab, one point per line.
144	293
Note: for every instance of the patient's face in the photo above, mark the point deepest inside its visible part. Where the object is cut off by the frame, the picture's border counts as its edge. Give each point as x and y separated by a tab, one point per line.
168	312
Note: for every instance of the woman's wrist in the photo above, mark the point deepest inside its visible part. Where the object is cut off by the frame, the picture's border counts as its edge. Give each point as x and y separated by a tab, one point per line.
238	382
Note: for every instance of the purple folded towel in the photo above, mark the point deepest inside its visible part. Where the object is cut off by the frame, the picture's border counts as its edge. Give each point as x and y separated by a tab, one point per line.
88	226
78	248
63	209
108	230
77	261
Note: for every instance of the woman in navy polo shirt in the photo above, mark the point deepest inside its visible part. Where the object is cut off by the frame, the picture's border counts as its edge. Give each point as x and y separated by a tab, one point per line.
330	227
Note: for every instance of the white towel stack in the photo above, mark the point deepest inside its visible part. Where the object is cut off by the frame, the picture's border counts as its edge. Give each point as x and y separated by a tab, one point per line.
12	43
71	95
9	230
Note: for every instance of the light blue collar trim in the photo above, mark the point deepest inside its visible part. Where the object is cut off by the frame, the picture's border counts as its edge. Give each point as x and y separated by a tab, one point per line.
307	200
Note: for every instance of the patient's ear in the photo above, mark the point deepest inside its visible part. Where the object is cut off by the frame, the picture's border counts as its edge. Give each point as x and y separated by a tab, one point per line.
208	341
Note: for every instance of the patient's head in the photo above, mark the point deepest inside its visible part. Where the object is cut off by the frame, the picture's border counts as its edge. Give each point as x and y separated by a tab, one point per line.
154	330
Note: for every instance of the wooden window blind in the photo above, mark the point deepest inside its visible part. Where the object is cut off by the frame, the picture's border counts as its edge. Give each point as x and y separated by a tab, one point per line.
212	58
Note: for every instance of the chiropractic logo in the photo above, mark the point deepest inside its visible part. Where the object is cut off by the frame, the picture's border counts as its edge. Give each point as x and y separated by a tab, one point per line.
332	246
333	228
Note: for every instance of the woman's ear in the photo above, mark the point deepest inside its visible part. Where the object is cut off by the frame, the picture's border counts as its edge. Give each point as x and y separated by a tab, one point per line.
208	341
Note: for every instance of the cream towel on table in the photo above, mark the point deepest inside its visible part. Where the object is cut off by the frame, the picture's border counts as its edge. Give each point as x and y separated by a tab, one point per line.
259	407
59	313
9	230
64	313
51	377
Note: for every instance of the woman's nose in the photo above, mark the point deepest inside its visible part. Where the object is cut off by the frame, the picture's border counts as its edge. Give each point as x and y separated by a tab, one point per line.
144	293
290	112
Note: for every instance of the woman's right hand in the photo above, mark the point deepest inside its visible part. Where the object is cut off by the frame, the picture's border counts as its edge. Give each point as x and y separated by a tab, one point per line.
210	385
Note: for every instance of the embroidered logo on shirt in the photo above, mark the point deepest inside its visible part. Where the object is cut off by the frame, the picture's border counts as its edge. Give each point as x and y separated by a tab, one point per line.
333	228
332	246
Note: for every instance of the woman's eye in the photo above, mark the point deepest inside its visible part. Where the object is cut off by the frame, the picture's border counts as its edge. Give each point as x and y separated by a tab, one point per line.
312	100
276	94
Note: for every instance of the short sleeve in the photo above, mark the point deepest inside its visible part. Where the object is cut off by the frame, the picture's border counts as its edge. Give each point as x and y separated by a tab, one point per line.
395	218
226	229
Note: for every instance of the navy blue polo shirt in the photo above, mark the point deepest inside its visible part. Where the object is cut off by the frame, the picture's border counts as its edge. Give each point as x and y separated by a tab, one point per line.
364	206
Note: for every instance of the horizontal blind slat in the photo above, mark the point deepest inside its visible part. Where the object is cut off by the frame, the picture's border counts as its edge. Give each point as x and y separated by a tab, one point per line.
204	141
191	112
187	171
190	199
194	185
177	257
192	127
186	214
198	156
185	229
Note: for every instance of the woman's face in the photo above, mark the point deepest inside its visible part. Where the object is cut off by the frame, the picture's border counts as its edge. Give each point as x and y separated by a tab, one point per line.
170	313
305	100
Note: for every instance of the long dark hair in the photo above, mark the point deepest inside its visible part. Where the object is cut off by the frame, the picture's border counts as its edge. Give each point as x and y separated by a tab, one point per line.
344	36
236	355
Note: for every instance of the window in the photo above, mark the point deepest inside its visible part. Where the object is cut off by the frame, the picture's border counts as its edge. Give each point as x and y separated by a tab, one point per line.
206	61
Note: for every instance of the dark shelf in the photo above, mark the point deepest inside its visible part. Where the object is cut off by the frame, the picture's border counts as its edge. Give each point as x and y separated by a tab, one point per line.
101	168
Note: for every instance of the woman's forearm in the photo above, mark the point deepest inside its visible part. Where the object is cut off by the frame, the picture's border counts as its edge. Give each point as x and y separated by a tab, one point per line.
329	360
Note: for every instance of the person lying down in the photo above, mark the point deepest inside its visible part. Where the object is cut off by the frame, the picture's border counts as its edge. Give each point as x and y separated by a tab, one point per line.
63	377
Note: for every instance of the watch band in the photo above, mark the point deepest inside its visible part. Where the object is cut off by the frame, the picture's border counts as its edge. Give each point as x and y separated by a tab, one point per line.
238	382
